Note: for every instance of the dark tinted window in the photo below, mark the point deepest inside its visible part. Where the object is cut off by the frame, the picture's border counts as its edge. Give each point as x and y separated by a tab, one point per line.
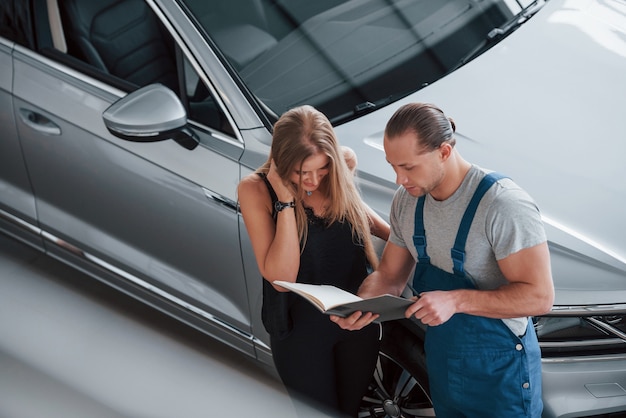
15	22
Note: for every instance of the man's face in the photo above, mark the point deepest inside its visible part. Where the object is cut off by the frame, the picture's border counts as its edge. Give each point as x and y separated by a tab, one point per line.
418	171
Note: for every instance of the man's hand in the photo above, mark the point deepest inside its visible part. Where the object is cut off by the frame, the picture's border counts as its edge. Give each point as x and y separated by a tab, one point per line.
433	308
354	322
390	277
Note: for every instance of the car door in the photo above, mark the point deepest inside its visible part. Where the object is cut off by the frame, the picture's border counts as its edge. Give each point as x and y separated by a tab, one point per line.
17	203
155	219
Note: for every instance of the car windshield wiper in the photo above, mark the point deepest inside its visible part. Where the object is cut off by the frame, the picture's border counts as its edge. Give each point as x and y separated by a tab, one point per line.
495	35
367	107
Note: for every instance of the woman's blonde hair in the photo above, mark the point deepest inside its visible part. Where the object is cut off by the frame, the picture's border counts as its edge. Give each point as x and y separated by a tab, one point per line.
300	133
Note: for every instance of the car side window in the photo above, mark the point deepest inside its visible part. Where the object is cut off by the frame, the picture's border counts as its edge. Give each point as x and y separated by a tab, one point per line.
15	22
125	44
201	105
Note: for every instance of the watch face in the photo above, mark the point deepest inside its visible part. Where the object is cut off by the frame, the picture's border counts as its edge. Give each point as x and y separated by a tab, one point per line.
282	205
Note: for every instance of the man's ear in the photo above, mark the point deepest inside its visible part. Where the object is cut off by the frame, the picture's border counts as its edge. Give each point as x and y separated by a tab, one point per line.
445	151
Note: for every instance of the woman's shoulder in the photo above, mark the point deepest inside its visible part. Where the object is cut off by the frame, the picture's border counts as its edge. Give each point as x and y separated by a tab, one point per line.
253	196
251	180
252	184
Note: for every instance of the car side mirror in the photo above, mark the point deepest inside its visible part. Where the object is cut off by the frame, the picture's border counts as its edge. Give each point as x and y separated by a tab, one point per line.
152	113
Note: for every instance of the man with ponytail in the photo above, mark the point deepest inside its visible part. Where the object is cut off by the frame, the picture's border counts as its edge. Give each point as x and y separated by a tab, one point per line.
482	269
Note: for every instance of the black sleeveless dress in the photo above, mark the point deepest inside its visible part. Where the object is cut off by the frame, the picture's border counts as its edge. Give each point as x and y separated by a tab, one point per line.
317	359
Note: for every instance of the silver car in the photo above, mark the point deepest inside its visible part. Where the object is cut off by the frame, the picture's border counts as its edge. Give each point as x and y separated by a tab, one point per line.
125	126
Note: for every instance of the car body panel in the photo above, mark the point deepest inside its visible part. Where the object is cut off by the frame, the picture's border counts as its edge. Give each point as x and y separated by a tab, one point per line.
593	386
545	142
105	195
16	195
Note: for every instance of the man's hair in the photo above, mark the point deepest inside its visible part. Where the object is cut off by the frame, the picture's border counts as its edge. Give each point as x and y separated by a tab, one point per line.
431	126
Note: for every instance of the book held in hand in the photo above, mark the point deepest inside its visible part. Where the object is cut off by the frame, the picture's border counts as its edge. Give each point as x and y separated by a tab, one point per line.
334	301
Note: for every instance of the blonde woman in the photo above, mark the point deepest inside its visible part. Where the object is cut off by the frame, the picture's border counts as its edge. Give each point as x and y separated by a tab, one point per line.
307	223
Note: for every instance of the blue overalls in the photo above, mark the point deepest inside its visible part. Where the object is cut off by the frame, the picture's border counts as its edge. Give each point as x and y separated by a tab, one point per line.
477	367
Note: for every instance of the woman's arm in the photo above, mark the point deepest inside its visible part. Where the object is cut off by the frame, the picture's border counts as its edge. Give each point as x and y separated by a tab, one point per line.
275	244
378	226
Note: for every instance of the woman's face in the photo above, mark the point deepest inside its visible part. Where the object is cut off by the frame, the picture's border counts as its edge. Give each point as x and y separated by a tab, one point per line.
314	169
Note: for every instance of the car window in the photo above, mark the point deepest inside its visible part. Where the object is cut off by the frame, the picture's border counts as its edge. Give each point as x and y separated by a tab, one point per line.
15	22
201	105
346	57
126	45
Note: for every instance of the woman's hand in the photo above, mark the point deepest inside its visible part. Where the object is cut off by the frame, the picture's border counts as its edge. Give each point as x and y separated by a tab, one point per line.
350	156
283	192
354	322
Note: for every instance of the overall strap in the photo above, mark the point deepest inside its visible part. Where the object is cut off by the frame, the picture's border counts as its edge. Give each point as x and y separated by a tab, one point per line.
419	234
458	251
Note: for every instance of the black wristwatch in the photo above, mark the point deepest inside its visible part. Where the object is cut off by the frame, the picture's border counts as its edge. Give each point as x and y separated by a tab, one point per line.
278	205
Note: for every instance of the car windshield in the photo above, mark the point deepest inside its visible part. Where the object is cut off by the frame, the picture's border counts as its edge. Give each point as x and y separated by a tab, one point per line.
350	57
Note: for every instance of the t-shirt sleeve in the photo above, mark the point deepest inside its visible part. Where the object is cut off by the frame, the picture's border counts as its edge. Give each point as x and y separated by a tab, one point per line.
395	225
514	223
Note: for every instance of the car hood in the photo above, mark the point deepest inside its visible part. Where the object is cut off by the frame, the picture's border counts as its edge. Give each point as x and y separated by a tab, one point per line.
544	106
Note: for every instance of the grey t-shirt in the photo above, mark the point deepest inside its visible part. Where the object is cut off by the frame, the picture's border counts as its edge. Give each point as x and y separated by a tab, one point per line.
507	220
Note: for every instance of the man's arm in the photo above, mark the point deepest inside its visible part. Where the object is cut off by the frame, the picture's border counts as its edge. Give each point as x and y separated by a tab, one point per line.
530	291
390	277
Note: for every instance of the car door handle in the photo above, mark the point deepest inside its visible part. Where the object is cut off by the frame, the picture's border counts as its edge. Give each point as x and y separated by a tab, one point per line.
220	199
39	122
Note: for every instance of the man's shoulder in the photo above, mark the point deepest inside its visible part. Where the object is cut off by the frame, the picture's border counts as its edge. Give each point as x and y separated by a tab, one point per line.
403	200
505	185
